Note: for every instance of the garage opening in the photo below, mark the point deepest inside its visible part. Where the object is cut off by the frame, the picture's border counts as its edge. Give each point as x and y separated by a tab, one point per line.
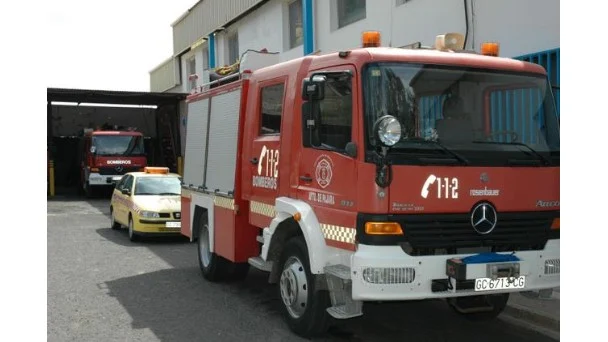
74	114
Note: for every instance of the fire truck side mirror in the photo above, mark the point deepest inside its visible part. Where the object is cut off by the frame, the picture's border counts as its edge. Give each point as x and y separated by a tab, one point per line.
314	89
351	149
93	149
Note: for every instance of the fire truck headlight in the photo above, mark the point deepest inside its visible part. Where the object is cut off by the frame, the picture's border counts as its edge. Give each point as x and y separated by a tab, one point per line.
388	130
149	214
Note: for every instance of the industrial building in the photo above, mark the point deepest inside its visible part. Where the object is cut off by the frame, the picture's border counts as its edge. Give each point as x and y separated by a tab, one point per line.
215	33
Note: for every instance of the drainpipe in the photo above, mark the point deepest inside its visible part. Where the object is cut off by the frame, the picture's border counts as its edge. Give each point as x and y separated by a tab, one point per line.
466	21
308	26
211	50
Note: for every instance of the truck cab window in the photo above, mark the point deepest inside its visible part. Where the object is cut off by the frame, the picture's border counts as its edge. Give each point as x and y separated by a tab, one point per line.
272	109
336	114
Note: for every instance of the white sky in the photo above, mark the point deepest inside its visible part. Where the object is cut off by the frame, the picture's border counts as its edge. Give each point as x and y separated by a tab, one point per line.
109	45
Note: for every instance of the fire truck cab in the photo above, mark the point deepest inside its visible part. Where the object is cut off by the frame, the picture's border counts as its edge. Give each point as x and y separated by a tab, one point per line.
378	174
107	154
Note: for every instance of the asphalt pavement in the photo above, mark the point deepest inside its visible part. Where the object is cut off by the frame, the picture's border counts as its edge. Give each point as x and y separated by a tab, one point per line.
102	287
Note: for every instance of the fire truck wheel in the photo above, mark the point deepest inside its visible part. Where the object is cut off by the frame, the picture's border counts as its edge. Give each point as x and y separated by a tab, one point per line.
212	266
113	223
88	190
132	235
304	308
495	305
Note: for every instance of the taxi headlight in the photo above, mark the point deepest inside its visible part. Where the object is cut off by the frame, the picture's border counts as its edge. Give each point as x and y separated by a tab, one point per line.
149	214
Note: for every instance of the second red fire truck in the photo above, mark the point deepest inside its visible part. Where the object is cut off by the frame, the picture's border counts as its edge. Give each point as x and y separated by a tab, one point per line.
378	174
107	154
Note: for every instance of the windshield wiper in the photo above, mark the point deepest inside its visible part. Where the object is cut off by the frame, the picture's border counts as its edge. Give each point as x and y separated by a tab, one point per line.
542	158
457	156
169	193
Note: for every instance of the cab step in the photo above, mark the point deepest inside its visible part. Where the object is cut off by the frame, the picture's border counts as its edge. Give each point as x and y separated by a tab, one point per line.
339	284
260	263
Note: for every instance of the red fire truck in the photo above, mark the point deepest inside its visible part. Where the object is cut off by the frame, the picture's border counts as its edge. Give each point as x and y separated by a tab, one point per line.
378	174
107	154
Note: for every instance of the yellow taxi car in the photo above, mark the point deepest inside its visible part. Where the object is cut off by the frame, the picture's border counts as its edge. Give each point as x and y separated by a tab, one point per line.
147	202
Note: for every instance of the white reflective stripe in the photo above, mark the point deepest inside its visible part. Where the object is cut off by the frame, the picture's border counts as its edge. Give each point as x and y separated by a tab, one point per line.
337	233
262	209
223	202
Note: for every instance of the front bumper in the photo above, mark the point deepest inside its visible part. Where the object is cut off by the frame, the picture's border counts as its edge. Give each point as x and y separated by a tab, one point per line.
96	179
423	271
152	226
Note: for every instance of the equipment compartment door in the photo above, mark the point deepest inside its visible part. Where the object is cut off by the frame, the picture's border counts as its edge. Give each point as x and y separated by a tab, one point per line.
262	156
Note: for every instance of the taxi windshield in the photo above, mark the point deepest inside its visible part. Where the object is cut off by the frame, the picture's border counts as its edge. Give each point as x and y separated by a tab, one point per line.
161	185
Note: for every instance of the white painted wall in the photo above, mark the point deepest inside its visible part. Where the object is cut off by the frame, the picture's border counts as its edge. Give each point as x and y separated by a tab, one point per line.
520	26
263	29
199	57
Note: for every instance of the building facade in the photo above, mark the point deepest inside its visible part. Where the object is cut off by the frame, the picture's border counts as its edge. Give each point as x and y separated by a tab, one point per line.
215	33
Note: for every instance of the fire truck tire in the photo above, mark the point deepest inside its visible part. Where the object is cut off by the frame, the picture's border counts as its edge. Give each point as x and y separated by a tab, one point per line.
132	234
113	223
213	267
88	190
303	306
497	301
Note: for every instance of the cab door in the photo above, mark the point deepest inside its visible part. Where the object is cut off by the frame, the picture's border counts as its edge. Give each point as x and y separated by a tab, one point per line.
327	168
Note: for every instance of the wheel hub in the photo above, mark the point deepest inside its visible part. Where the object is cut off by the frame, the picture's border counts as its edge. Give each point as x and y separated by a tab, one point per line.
203	247
294	287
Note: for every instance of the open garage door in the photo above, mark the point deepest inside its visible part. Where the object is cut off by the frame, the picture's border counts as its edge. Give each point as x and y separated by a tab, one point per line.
158	116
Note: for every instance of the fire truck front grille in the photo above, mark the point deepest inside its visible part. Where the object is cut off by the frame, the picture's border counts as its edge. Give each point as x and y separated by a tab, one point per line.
116	170
428	234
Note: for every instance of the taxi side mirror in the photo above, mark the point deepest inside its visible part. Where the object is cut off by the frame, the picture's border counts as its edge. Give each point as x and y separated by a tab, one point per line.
125	192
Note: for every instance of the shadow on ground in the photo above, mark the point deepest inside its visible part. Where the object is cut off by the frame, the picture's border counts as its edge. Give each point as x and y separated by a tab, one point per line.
179	305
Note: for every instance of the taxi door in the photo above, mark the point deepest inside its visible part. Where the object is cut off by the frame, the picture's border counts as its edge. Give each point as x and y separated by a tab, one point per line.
123	201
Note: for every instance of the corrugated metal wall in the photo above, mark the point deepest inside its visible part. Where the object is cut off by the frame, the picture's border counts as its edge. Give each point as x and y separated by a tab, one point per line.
550	61
165	76
508	109
204	18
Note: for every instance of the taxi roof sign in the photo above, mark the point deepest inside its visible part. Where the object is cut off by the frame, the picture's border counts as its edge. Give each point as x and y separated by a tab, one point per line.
157	170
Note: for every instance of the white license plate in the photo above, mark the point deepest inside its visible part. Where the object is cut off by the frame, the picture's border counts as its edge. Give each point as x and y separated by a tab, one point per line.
488	284
173	224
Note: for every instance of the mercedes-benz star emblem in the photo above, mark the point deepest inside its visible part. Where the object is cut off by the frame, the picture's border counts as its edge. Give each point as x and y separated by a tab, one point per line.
484	218
484	178
118	168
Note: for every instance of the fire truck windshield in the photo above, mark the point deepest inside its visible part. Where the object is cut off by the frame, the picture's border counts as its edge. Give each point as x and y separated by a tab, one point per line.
118	145
473	116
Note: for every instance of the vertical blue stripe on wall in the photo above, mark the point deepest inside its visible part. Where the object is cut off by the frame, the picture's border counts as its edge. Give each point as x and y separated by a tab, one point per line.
211	50
550	61
308	26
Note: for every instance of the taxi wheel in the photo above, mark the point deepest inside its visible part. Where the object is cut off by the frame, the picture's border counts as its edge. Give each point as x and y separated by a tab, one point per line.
113	223
132	235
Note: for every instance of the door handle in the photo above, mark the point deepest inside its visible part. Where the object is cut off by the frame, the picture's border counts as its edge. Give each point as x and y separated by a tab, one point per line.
307	179
254	161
